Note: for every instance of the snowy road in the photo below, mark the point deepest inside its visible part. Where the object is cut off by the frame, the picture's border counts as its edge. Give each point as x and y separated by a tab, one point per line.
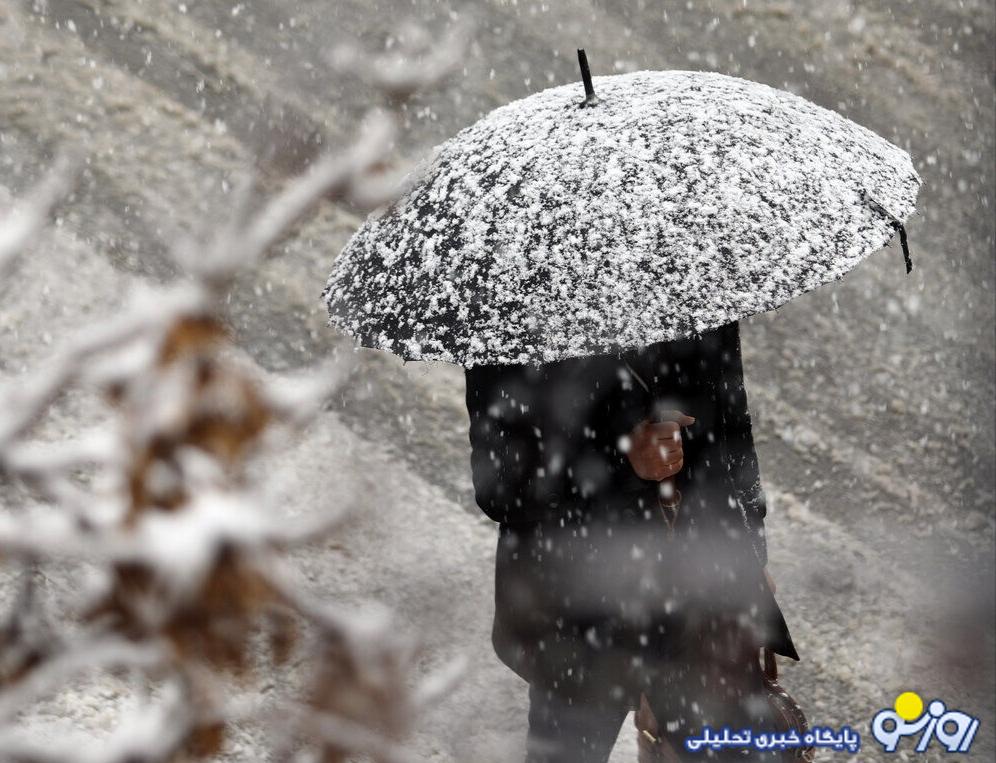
872	399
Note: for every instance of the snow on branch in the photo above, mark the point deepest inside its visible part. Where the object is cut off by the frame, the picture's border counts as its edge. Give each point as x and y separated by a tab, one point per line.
25	220
193	584
415	60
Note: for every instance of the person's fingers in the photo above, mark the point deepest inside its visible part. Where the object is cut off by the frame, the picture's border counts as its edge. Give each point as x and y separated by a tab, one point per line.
656	451
669	470
647	431
668	450
657	463
675	416
661	469
663	430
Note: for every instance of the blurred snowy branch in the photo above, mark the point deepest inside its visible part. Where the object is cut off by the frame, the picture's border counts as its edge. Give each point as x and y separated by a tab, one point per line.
415	60
24	221
246	237
193	584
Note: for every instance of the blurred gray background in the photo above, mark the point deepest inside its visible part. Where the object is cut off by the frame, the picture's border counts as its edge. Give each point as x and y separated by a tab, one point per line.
873	398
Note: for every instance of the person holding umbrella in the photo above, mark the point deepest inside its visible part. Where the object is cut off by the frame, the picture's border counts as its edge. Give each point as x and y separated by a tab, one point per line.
588	264
597	602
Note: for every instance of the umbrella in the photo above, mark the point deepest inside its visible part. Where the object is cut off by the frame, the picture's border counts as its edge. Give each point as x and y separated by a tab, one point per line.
668	204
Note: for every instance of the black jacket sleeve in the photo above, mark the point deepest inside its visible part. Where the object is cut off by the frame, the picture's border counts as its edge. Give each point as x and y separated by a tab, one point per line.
518	474
742	461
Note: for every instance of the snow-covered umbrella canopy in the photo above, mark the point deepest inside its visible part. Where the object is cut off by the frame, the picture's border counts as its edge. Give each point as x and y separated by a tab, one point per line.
669	204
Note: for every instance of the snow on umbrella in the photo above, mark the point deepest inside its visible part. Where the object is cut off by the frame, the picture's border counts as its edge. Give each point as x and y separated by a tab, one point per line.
669	204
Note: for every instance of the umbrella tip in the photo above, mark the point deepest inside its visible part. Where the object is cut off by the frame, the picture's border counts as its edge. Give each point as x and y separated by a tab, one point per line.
590	99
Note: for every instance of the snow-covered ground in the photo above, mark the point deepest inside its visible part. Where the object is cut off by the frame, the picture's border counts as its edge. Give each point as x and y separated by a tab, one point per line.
872	399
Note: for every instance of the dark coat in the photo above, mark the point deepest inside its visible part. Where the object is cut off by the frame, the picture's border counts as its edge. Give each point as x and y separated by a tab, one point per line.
591	594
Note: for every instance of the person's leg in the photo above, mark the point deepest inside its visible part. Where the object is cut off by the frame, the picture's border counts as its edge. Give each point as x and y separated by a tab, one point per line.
716	682
561	732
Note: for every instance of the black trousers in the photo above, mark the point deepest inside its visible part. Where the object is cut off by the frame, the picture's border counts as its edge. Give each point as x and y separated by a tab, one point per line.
561	732
714	682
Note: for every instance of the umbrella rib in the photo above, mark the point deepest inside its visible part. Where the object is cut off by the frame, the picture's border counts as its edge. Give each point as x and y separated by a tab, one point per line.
896	223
